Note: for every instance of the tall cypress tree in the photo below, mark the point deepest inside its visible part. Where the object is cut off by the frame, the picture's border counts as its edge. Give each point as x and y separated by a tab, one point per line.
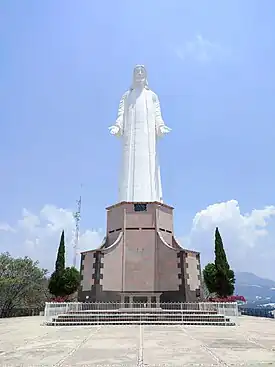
63	281
224	275
220	256
60	259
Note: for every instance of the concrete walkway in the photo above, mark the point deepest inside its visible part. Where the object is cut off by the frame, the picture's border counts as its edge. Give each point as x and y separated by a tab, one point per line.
24	342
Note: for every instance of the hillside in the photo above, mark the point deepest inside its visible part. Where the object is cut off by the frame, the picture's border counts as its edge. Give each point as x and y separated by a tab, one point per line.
254	288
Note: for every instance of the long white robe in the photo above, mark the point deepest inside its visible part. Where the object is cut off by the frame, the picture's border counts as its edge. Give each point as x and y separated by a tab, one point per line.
139	120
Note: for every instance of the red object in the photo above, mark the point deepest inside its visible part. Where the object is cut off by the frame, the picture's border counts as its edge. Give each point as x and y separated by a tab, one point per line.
228	299
59	299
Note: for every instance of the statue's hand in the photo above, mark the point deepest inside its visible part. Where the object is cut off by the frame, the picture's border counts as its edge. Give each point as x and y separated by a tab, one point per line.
164	130
114	130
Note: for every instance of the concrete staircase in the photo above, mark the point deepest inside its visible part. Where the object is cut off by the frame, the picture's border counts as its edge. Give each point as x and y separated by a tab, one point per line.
155	316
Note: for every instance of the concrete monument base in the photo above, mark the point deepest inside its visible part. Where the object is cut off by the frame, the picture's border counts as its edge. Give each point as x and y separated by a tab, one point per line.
140	260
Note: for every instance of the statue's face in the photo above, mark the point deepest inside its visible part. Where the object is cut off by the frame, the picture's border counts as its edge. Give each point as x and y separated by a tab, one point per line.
140	74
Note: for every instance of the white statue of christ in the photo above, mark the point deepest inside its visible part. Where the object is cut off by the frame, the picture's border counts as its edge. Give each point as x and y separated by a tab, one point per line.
139	124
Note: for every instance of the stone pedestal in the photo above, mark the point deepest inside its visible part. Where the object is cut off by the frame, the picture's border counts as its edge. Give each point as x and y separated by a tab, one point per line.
140	256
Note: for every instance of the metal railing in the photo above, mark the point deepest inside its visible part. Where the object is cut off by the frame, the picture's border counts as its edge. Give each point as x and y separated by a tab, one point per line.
200	313
258	312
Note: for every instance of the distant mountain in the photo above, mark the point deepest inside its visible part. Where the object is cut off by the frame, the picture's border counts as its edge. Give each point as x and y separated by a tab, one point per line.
254	288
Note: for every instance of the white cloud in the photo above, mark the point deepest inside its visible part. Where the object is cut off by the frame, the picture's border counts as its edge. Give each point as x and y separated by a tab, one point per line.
37	235
201	50
248	238
29	222
5	227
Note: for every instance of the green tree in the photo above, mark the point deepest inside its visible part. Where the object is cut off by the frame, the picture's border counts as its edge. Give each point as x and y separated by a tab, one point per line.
63	281
225	278
209	277
70	280
218	276
22	284
60	259
55	286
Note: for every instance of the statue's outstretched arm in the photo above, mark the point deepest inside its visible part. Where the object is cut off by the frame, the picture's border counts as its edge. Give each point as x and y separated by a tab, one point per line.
120	114
161	128
159	120
117	128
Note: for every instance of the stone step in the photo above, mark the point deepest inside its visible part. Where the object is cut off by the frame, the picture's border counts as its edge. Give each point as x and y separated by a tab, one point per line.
140	322
139	317
144	310
136	318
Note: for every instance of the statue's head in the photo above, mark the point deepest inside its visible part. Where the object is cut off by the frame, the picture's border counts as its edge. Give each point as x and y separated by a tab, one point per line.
139	77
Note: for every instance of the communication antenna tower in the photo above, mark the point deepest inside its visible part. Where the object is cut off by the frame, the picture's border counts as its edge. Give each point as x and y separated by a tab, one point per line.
77	217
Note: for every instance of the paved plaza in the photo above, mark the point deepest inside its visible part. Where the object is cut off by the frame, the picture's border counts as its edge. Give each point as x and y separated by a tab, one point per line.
24	342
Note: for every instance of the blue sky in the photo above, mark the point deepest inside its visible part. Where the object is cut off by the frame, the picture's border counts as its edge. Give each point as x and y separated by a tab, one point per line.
63	68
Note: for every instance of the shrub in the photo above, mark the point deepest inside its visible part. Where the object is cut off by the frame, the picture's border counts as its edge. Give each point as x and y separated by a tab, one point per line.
228	299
